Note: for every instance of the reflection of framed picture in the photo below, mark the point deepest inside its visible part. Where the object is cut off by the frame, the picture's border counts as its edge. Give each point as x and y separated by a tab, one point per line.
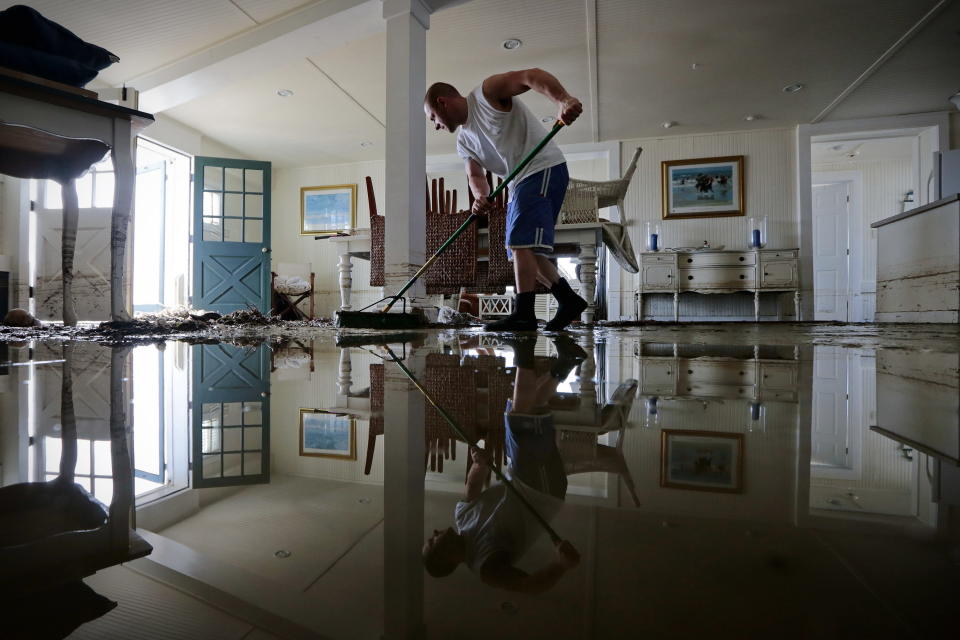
327	435
328	209
701	460
702	188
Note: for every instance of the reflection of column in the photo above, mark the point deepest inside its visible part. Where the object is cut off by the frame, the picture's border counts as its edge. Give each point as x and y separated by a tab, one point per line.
588	369
68	418
403	495
587	259
345	266
122	502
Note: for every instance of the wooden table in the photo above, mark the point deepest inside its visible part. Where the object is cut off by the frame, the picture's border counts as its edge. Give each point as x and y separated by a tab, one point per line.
76	113
587	239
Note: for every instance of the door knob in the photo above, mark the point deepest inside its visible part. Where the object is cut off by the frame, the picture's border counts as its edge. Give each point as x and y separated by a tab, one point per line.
265	250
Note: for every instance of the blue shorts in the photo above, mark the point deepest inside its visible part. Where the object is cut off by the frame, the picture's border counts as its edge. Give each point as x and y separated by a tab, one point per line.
532	451
533	210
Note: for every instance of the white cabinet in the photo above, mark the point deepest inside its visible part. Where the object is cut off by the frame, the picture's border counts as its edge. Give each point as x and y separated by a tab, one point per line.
711	271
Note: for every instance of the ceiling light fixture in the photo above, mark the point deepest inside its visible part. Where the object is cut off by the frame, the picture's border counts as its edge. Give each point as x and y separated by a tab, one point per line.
284	93
793	88
668	124
750	117
366	144
955	99
511	44
695	66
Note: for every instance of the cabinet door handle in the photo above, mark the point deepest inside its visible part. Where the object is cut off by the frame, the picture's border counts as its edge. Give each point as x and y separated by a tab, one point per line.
765	273
742	276
689	260
669	275
689	277
741	258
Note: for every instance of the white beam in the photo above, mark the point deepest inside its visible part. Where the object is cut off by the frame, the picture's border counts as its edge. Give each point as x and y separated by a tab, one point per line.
406	149
318	27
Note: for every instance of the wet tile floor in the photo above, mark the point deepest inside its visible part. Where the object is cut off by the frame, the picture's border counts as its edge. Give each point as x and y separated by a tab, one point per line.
795	481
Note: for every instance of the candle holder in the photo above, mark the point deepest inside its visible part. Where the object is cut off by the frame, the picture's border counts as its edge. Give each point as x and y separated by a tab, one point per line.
757	232
653	236
756	418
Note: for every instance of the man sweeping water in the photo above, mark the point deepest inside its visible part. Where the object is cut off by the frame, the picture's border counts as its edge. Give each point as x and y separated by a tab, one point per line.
495	131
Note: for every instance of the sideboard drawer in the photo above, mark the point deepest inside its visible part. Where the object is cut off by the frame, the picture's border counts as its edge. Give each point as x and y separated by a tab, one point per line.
733	373
779	254
658	258
778	274
778	376
658	373
710	259
718	278
658	277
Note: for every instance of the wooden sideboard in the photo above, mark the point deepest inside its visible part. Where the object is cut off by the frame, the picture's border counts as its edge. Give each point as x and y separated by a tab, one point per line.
713	271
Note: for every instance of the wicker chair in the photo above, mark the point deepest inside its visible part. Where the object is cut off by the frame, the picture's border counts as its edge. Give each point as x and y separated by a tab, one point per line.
586	197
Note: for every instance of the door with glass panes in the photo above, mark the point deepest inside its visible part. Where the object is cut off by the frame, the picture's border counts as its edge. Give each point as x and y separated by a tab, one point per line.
231	235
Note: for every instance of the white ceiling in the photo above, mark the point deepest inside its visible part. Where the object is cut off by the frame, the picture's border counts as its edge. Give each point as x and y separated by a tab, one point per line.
870	150
746	51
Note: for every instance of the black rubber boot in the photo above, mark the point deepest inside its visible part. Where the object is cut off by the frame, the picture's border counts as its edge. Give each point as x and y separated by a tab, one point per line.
523	350
523	317
571	306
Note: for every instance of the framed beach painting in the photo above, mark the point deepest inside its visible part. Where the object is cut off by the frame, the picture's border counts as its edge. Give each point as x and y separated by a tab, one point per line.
701	460
324	434
702	188
328	210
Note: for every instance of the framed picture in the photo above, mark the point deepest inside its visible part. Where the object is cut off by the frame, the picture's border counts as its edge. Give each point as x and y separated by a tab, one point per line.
701	460
324	434
325	210
702	188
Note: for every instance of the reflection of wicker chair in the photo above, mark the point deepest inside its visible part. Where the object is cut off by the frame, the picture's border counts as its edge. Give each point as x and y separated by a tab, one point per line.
581	195
582	453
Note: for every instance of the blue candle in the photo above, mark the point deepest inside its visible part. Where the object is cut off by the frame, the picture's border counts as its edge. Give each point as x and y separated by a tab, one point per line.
755	238
653	242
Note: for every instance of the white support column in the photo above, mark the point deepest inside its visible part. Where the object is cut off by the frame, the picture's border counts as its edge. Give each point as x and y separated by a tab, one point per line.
405	234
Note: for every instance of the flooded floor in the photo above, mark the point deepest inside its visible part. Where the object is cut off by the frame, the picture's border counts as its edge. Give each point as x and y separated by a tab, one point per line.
664	481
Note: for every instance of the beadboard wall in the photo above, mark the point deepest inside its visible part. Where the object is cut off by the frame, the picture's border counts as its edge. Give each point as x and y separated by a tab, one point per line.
770	190
290	246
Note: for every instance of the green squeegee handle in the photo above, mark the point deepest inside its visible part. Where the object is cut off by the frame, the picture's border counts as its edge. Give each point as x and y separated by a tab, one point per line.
466	223
554	536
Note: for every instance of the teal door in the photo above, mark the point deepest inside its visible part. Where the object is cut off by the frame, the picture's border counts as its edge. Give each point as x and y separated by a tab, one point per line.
231	232
231	415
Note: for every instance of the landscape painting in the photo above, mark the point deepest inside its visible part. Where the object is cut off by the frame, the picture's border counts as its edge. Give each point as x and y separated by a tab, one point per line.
701	460
703	187
327	435
328	210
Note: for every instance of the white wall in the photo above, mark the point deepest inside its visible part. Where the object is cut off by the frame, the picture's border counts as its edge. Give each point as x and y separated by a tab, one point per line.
769	168
955	130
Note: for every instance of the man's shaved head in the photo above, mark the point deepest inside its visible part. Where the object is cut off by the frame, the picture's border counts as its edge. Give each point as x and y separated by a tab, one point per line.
439	90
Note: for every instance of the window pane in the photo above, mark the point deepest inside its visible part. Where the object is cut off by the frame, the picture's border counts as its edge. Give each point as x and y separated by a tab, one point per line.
85	191
211	441
212	229
103	490
251	463
213	178
211	466
254	208
252	438
231	464
252	413
231	440
211	204
254	182
233	204
51	196
253	231
51	454
83	457
104	165
211	414
232	230
234	180
83	481
232	413
102	458
103	194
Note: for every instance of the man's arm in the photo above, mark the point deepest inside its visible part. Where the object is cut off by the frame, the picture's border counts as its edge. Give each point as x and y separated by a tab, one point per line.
477	180
499	90
502	575
478	474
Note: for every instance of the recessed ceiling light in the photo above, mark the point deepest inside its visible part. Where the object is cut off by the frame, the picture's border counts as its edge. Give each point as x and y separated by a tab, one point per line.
546	119
750	117
511	43
668	124
282	553
793	88
284	93
366	144
695	66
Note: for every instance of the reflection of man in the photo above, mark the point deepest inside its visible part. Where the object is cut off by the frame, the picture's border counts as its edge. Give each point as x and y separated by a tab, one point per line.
492	528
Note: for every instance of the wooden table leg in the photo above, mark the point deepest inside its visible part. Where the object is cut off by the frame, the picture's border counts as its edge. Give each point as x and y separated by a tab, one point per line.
68	246
756	305
587	259
676	306
796	305
345	266
125	176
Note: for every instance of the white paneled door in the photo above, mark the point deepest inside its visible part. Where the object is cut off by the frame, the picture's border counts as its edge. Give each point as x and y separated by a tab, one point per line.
830	449
830	251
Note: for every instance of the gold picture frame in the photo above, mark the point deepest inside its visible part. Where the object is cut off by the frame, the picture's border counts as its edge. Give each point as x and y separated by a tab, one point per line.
325	434
327	210
701	460
702	188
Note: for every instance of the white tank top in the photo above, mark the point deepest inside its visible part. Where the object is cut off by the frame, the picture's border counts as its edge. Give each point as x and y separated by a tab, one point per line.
499	140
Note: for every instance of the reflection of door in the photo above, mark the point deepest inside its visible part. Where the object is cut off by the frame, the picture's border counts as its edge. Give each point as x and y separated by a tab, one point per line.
830	251
149	234
231	234
231	415
829	444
